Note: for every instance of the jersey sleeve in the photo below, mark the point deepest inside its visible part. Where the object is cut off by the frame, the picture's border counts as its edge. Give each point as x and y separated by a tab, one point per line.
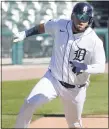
51	27
98	59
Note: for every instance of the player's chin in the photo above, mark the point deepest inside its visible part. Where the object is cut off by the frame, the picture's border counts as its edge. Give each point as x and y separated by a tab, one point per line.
80	28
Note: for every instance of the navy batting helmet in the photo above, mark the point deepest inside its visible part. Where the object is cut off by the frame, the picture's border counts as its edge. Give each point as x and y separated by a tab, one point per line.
83	11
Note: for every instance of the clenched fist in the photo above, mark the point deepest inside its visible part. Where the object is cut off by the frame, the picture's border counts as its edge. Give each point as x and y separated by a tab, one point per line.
19	36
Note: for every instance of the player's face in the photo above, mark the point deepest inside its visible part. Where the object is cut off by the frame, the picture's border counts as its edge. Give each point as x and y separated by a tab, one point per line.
79	25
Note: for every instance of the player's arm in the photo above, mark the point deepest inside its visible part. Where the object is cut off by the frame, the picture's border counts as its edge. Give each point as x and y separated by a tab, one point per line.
98	59
37	29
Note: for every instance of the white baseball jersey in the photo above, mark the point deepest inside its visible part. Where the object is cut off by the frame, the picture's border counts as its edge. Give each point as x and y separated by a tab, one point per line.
85	47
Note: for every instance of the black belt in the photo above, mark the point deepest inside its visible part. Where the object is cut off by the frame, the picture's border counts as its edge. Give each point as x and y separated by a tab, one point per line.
66	85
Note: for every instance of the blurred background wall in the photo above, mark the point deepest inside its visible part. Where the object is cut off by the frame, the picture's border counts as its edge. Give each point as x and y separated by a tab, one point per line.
20	15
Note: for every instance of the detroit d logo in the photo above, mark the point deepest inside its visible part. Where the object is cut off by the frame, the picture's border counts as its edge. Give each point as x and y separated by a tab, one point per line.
80	54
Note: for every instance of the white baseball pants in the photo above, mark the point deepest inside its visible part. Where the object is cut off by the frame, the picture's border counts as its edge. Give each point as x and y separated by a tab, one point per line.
46	90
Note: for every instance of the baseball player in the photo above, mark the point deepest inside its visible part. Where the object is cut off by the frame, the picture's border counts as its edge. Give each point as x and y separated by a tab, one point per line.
77	53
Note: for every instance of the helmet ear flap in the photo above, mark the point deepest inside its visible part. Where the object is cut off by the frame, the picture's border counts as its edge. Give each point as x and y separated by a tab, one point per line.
90	21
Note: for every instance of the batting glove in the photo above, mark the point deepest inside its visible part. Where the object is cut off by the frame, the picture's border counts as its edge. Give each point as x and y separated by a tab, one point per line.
78	67
19	36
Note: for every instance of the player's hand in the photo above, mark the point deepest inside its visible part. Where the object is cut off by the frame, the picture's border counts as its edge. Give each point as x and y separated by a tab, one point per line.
19	36
78	67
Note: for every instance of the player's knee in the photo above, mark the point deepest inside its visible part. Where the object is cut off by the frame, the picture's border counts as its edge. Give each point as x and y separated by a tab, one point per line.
37	100
26	102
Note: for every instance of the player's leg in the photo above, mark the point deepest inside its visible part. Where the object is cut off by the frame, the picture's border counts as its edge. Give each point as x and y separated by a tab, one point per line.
73	114
43	92
73	105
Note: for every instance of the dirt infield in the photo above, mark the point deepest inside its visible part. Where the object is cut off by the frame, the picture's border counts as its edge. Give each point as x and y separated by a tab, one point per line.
56	122
24	72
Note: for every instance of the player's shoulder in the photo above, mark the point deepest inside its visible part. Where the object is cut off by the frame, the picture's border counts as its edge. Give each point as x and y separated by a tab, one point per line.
61	22
95	38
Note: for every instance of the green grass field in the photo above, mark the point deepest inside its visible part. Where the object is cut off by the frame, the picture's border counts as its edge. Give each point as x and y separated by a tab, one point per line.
14	92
